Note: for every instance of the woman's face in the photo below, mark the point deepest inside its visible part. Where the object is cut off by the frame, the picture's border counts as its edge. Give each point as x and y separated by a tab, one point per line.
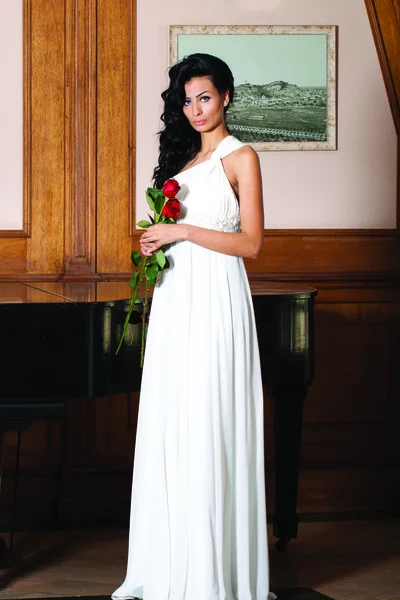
204	105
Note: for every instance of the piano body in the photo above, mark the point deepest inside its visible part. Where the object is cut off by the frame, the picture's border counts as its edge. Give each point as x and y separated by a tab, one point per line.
64	335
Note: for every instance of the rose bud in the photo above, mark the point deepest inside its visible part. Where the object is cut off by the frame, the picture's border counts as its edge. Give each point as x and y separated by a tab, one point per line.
170	188
171	209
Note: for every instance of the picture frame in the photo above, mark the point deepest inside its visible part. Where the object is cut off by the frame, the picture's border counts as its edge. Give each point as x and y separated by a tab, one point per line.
285	80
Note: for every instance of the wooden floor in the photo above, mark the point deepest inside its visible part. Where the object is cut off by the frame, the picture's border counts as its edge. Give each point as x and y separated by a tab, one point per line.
346	561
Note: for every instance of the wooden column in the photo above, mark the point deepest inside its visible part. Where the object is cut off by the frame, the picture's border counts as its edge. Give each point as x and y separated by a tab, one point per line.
80	138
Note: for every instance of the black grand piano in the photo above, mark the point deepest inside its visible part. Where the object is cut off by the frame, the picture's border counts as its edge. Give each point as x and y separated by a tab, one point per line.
54	328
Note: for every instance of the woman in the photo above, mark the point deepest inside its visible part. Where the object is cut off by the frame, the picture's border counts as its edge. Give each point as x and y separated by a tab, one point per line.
198	519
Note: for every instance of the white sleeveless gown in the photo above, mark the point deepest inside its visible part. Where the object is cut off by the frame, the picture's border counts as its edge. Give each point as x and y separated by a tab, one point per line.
198	516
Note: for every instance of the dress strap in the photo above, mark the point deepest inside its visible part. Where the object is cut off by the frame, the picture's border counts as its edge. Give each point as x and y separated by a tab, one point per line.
226	146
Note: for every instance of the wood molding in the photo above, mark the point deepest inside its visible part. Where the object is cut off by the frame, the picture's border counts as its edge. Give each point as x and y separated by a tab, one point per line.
317	232
27	108
384	20
398	184
26	82
332	232
358	279
26	277
24	232
132	116
80	137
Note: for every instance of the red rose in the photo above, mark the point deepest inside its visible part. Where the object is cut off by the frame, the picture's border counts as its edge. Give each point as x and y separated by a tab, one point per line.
170	188
171	209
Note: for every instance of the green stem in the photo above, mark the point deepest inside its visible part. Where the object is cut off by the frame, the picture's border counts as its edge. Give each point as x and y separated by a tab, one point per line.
144	325
132	301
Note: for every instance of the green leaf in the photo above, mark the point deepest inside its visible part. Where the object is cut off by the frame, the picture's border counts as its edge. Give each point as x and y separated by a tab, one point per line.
144	224
160	257
155	199
149	199
136	258
133	280
154	193
151	273
159	203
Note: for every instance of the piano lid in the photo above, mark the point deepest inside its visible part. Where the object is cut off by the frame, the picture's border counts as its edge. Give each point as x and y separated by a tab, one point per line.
59	340
109	291
281	289
62	291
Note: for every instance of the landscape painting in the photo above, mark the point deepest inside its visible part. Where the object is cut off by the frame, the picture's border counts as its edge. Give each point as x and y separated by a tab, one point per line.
285	81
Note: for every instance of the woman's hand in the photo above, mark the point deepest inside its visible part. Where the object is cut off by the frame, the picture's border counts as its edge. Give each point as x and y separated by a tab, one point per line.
145	249
159	235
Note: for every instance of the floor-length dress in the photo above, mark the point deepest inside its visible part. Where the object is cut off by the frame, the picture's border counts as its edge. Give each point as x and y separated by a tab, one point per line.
198	516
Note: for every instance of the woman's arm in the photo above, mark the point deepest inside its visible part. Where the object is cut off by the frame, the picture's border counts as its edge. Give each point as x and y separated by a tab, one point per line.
248	242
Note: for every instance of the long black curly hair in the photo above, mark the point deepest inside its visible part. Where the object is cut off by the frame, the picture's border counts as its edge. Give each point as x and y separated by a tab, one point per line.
179	142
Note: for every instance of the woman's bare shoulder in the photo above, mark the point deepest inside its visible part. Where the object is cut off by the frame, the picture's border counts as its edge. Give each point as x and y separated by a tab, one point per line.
245	158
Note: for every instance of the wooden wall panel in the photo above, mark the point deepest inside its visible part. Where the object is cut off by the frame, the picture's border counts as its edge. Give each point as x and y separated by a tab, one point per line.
45	247
79	142
114	142
355	379
354	338
305	255
12	255
346	493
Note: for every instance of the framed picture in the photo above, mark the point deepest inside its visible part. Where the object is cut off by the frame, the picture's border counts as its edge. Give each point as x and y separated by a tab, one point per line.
285	80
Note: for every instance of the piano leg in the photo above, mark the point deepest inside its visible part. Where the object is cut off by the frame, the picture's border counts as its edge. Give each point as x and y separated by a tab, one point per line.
3	545
288	420
16	477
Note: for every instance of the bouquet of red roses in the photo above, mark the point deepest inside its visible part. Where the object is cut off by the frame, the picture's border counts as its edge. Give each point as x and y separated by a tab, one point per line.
166	209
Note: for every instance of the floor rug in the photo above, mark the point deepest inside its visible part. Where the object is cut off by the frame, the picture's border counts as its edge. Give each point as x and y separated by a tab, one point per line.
283	594
300	594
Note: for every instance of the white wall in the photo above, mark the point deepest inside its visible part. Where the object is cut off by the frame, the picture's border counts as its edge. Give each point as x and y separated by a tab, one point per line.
11	115
351	187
